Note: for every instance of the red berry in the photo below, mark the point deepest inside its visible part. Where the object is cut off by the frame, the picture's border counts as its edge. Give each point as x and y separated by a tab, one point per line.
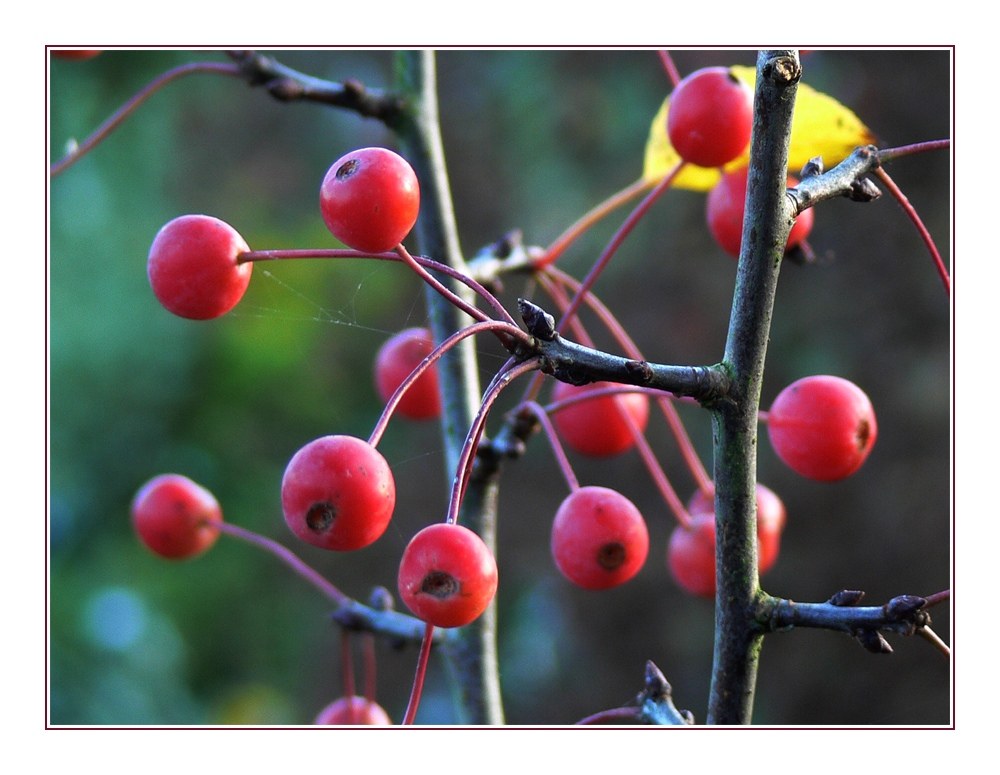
710	117
601	426
338	493
75	53
396	359
175	517
193	270
691	554
447	576
770	522
770	526
724	208
599	538
353	710
370	199
822	427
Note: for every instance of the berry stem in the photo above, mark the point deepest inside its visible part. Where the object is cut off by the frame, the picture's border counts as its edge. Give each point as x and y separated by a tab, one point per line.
889	154
508	372
619	237
666	403
426	363
368	654
421	261
418	678
621	715
346	663
474	312
578	228
925	235
668	65
288	557
649	459
116	118
542	416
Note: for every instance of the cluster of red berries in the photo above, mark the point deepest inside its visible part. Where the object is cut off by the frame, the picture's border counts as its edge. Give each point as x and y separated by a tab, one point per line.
338	491
709	124
369	199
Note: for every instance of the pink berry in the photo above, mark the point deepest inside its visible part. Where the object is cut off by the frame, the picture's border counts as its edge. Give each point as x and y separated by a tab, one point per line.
710	117
601	426
174	517
770	522
822	427
338	493
395	360
193	270
353	710
691	554
370	199
599	538
447	576
726	204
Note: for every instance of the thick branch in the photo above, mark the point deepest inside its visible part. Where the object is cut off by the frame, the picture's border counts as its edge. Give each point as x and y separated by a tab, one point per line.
846	179
574	363
904	615
472	655
765	230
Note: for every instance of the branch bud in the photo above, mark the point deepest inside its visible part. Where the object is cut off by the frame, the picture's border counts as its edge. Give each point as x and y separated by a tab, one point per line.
846	597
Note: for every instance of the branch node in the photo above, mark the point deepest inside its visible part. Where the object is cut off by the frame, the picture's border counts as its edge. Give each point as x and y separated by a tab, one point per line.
784	70
846	597
904	607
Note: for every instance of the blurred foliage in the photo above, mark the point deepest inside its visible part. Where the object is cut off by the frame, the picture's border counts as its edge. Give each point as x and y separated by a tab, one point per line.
533	139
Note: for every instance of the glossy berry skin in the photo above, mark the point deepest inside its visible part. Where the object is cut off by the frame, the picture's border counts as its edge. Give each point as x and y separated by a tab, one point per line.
822	427
370	199
174	517
599	427
771	519
393	364
338	493
691	554
710	117
353	710
599	538
447	576
726	204
192	267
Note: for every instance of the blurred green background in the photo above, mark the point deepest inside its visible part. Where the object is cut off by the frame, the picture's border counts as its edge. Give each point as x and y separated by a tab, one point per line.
533	139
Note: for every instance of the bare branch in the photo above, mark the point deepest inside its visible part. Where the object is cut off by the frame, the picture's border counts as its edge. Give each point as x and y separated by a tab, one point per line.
579	365
902	615
288	85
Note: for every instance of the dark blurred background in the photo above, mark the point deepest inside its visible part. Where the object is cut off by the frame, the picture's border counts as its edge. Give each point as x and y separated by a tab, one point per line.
533	139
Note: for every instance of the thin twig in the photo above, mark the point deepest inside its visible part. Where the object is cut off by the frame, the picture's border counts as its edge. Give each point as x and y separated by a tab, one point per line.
925	235
927	633
116	118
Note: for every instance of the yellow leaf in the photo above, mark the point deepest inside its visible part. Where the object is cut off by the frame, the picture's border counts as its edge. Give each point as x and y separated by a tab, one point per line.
821	126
